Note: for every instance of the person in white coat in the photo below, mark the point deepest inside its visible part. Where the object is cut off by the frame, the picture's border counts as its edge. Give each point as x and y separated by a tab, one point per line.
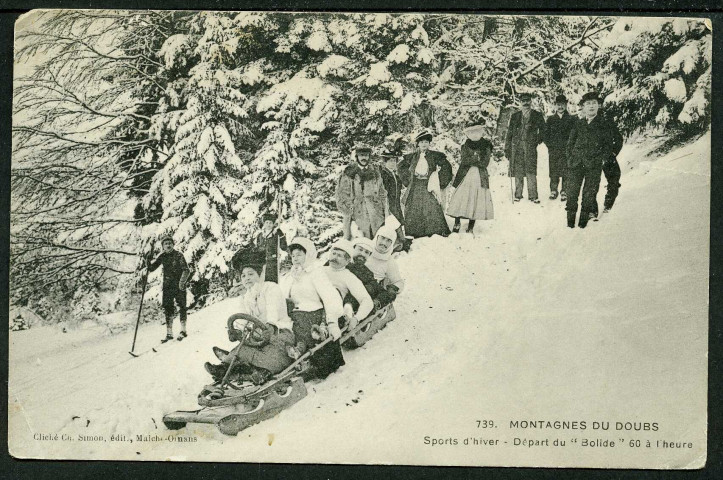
316	303
381	263
349	286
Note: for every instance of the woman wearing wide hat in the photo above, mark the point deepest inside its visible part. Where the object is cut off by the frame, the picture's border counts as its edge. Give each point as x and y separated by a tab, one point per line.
425	173
472	198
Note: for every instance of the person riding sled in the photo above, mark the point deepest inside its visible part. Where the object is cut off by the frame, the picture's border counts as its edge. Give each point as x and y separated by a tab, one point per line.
357	301
265	351
363	250
381	263
317	307
175	276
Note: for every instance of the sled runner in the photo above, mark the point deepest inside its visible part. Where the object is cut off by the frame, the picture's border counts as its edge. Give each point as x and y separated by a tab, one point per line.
233	407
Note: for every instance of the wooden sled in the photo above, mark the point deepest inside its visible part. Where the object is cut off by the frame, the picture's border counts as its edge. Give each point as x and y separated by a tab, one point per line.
377	321
233	407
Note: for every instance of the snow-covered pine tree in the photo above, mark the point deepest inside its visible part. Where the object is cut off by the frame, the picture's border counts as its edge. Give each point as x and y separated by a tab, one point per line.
656	72
201	182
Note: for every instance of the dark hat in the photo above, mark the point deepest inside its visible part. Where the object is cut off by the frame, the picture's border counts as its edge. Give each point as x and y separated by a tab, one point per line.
250	258
362	147
590	96
424	135
525	96
268	216
560	99
386	153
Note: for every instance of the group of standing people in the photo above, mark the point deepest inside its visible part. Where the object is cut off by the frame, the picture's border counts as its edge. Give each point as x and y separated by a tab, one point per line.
581	148
413	188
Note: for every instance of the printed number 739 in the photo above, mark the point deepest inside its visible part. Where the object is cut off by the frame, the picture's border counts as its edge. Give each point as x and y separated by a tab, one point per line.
485	424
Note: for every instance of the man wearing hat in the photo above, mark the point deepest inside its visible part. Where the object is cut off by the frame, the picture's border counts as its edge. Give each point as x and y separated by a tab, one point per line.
557	131
426	174
175	276
594	141
524	134
269	241
360	194
348	285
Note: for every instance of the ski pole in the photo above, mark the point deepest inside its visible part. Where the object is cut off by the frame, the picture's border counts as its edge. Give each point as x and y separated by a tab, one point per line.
140	307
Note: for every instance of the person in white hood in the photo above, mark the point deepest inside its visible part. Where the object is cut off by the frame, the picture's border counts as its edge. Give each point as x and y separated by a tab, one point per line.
347	283
381	263
316	303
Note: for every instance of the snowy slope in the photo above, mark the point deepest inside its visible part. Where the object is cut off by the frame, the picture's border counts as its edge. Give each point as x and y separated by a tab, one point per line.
527	320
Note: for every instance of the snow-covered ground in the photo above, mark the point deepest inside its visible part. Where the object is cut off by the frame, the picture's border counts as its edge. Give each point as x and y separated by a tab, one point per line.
528	320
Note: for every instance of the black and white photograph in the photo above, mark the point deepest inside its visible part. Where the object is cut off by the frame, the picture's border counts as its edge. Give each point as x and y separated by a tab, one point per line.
451	239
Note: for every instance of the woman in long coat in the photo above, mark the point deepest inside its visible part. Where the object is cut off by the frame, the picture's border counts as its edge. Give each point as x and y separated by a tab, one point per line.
472	198
423	213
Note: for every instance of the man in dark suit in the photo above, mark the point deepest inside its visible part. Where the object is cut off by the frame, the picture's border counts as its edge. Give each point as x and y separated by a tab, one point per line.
593	141
557	131
524	134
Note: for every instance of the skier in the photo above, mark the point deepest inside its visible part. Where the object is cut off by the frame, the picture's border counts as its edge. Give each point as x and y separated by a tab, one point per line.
263	300
523	135
348	285
593	142
360	194
317	307
269	241
426	174
472	198
175	276
557	131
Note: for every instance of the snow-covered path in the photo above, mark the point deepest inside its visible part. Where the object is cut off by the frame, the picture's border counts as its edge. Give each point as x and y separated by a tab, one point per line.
527	320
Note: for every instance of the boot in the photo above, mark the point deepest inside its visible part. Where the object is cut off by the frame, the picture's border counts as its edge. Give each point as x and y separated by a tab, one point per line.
571	219
168	337
457	226
563	197
220	353
216	371
584	217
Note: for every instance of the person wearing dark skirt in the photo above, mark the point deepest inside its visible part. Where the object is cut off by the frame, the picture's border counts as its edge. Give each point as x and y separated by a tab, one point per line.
425	173
317	307
472	198
393	186
269	241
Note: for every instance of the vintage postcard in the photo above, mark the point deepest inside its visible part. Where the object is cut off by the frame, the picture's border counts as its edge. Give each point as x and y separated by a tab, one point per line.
360	238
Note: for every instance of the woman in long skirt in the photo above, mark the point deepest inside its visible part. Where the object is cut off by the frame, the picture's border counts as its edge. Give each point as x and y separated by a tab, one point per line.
423	213
472	198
